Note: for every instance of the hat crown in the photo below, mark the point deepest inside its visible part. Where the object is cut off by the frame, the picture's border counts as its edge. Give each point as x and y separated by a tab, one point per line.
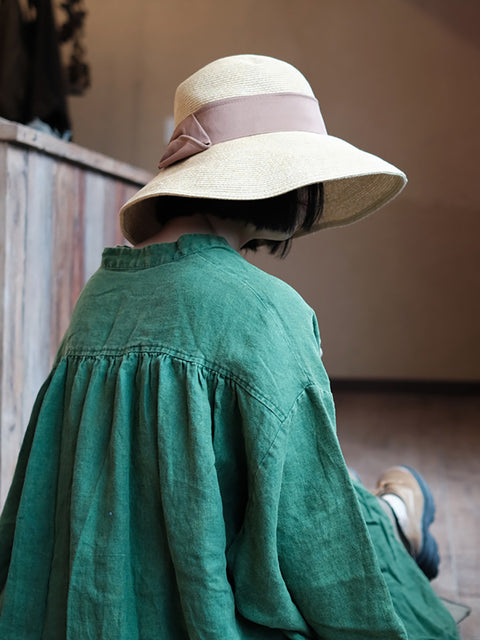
233	76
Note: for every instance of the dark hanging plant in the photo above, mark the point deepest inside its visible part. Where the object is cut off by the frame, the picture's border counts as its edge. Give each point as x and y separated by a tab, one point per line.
77	71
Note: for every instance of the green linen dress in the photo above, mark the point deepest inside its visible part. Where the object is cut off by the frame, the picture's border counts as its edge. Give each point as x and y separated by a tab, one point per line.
181	476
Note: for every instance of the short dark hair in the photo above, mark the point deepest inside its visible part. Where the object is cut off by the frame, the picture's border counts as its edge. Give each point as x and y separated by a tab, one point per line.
297	209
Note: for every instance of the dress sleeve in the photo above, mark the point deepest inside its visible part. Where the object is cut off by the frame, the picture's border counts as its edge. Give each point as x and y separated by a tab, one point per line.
303	561
325	554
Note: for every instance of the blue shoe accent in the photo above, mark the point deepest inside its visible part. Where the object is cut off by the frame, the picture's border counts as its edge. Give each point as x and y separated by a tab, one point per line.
428	558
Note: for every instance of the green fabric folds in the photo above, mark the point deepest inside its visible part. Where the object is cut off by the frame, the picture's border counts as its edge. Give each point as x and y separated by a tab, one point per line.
181	475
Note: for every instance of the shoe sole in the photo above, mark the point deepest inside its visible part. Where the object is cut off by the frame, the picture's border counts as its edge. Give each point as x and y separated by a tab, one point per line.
428	558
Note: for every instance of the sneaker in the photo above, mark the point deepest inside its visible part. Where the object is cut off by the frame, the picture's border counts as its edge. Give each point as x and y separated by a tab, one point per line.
412	504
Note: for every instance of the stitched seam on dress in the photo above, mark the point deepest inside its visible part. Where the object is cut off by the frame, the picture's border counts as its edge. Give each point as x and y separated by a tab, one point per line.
178	355
285	420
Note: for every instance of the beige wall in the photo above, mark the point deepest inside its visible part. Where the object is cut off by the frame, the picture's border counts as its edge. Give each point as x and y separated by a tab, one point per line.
397	295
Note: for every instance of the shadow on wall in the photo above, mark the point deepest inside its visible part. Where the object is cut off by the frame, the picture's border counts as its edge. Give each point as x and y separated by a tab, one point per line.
461	17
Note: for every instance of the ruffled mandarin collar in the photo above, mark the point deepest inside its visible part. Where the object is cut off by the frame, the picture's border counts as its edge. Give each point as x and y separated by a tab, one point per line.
153	255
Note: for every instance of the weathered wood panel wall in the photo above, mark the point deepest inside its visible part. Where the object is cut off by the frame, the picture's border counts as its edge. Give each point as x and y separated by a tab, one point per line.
58	209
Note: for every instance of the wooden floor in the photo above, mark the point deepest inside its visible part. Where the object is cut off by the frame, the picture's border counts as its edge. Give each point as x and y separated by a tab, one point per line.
439	434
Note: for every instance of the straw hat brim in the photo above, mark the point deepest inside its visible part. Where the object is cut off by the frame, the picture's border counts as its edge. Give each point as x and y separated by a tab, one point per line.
356	183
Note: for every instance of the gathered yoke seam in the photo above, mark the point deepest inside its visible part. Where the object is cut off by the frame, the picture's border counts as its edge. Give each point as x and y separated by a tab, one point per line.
159	350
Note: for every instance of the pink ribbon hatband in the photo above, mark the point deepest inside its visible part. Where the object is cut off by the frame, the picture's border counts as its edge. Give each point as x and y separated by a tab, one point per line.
239	117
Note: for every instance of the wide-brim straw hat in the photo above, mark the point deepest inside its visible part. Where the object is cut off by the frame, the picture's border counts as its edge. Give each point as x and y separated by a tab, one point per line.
248	127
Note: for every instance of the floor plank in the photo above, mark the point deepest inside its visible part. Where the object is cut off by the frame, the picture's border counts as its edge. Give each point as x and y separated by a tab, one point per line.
439	435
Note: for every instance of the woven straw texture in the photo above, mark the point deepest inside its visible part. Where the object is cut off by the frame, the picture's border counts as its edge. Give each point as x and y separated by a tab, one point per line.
260	166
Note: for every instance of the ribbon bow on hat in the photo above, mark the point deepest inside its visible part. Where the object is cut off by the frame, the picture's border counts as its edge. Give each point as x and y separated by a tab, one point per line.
239	117
188	139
